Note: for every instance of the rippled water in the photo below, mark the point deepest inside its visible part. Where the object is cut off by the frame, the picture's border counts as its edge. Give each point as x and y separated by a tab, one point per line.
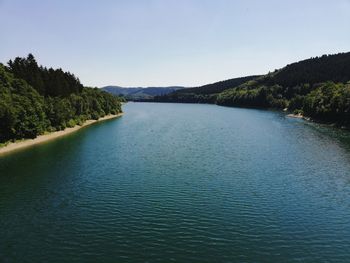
182	183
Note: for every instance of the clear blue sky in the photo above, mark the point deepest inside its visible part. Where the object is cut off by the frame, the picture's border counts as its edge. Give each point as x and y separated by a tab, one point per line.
171	42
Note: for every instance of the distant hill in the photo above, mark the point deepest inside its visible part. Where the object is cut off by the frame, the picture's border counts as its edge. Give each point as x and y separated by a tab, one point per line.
139	93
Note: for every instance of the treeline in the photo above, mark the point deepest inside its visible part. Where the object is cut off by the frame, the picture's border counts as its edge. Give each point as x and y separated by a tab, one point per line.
317	87
35	100
216	87
334	68
185	98
328	102
48	82
202	94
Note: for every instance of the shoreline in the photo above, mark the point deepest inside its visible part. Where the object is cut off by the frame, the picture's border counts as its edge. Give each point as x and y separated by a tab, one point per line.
296	116
13	146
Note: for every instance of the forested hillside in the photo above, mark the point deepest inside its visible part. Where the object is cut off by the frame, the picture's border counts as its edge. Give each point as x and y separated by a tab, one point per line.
202	94
318	87
139	93
334	68
35	100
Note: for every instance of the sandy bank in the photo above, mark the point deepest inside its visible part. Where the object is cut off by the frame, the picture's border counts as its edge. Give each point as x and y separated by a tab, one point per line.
298	116
47	137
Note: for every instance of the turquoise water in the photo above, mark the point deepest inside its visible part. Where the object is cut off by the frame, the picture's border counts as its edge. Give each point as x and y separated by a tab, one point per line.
180	183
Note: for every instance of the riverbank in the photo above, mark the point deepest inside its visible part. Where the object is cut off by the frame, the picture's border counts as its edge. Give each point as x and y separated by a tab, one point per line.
297	116
13	146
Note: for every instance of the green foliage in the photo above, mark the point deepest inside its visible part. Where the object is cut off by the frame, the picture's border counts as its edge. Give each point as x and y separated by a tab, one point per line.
71	123
22	112
203	94
329	102
27	111
187	98
334	68
298	112
216	87
261	96
48	82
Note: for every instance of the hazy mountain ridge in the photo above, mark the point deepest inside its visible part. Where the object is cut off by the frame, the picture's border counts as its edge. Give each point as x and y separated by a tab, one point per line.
140	93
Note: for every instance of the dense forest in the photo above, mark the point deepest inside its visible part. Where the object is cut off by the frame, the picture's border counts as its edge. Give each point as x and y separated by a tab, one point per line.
203	94
140	93
318	88
35	100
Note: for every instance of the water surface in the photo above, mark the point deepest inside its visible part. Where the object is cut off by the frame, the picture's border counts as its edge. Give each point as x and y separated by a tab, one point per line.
180	183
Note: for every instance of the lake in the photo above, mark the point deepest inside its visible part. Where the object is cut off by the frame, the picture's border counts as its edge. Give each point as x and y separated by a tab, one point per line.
180	183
